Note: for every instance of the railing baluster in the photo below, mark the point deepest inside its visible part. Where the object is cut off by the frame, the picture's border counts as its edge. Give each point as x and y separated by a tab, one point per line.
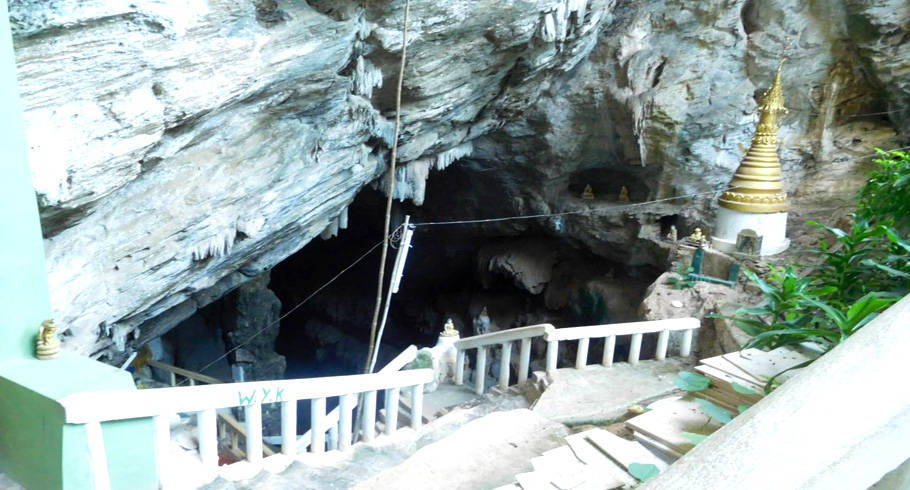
162	447
173	379
635	348
459	367
253	416
192	381
332	438
368	411
524	360
505	365
609	350
552	354
685	347
207	427
289	428
480	373
391	410
317	427
662	340
345	415
581	358
416	407
98	456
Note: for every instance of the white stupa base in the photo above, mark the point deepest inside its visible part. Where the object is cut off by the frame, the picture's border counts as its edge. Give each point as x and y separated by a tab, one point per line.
772	227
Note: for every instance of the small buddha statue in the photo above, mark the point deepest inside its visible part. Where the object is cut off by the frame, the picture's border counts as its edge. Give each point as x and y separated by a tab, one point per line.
673	236
697	238
449	329
47	346
624	194
588	194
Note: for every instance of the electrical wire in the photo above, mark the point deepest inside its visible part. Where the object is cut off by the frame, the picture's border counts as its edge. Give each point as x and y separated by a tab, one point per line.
621	207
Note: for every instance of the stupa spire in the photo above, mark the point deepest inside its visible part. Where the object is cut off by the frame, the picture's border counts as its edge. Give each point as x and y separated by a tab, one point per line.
757	185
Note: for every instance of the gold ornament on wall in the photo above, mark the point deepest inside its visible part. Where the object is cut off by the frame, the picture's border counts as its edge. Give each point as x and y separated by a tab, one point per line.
47	345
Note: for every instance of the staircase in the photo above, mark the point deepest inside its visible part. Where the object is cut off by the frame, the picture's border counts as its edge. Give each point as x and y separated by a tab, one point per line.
497	433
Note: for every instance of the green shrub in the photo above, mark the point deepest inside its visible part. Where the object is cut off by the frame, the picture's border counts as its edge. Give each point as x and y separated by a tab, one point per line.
863	270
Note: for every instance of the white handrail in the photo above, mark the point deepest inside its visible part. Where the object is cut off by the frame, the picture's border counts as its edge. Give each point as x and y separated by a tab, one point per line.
331	419
501	336
100	406
553	336
605	330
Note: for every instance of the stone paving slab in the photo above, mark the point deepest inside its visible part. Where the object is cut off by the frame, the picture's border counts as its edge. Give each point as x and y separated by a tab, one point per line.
596	395
484	453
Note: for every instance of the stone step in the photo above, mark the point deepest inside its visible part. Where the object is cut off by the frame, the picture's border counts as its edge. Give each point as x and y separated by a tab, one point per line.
667	421
623	451
493	447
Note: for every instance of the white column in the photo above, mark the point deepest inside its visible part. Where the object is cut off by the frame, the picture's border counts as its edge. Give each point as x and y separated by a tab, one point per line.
459	367
253	433
289	428
391	410
417	407
504	365
317	425
207	433
162	446
368	418
98	456
332	439
581	359
609	350
635	348
685	347
552	356
524	360
662	339
480	372
345	415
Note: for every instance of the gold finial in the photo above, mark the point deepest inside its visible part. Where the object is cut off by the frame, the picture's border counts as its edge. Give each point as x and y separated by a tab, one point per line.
757	185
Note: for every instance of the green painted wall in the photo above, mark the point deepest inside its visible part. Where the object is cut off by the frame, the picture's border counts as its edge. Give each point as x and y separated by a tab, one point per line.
36	448
24	298
31	444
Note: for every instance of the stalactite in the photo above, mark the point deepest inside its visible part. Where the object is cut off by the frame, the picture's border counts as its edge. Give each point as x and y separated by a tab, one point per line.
447	157
367	76
216	246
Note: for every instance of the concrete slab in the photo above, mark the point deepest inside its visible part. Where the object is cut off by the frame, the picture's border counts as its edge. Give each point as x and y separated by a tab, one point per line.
597	395
495	447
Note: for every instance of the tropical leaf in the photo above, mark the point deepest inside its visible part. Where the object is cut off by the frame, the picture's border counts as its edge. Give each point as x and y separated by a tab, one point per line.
742	389
643	471
691	381
696	439
715	412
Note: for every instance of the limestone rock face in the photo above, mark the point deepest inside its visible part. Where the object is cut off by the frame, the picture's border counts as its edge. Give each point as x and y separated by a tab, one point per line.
179	150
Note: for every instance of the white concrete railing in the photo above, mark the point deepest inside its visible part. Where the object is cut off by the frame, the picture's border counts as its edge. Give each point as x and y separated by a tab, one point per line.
553	336
93	408
228	426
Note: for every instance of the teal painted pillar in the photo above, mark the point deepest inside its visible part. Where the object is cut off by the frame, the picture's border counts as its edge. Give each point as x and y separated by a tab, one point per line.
24	296
37	448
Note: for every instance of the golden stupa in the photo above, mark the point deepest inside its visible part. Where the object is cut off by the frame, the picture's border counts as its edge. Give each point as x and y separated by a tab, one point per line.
757	186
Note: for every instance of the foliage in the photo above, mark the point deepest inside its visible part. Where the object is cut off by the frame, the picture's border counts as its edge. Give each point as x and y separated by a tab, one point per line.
862	271
643	471
886	194
691	381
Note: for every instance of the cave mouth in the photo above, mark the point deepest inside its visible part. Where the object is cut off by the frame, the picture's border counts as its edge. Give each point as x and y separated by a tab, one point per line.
523	276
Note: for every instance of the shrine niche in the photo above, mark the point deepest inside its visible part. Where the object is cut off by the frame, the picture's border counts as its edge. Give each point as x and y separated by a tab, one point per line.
748	242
